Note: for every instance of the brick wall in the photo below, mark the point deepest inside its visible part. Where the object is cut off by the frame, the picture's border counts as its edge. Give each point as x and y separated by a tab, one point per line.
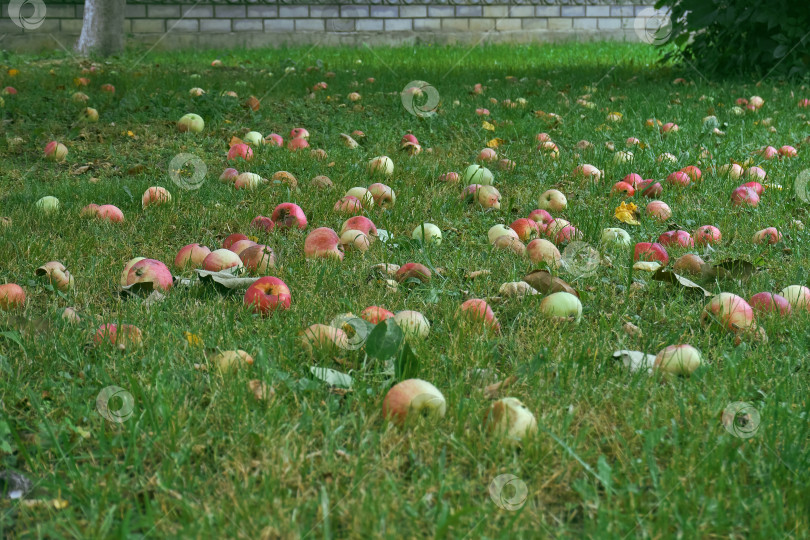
302	22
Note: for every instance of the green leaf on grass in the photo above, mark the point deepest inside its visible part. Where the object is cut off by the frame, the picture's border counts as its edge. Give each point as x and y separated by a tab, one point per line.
407	364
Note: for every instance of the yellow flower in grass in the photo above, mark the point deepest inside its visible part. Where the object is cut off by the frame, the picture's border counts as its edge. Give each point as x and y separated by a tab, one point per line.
627	213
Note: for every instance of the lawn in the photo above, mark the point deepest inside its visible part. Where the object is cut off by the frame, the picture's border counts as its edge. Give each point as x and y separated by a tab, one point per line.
617	453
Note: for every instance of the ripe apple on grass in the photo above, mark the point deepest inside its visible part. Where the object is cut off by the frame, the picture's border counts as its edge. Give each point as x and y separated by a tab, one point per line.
355	239
324	339
413	324
384	196
413	397
359	223
323	243
258	258
111	213
678	360
247	180
707	234
381	165
231	361
222	259
552	200
267	294
525	228
744	196
767	236
413	271
376	314
263	223
240	151
191	255
349	205
561	306
476	174
798	296
55	151
12	296
543	251
289	215
659	210
488	197
150	271
427	233
479	313
646	251
56	274
156	196
241	245
766	302
120	336
509	417
48	204
676	238
191	123
731	311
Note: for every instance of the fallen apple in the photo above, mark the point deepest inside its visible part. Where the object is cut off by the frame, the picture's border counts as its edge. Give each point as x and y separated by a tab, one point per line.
413	397
476	174
381	165
56	151
767	236
222	259
798	296
12	296
56	274
268	294
155	196
48	204
191	255
413	270
376	314
646	251
615	235
525	228
323	339
478	312
707	234
191	123
427	233
543	251
289	215
561	306
323	243
678	360
552	200
151	271
413	324
659	210
384	196
509	417
120	336
731	311
258	258
766	302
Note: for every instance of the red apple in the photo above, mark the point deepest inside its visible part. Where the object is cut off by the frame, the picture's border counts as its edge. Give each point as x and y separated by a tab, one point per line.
543	251
126	335
525	228
263	223
623	187
156	196
241	245
413	270
659	210
232	239
479	312
730	310
768	236
633	179
679	178
376	314
693	173
452	177
288	215
349	205
756	186
650	188
151	271
677	238
645	251
192	254
222	259
384	196
706	235
766	302
240	151
258	258
11	296
111	213
744	196
541	216
267	294
324	243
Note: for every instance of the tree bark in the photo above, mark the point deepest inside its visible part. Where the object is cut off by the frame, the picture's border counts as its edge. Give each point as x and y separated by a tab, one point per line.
102	27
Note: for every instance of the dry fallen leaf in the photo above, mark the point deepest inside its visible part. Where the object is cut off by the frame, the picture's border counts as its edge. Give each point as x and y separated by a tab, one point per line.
671	277
547	284
495	143
632	330
261	391
193	339
488	126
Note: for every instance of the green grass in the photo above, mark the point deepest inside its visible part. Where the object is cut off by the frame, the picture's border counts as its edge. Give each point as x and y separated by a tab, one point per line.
617	454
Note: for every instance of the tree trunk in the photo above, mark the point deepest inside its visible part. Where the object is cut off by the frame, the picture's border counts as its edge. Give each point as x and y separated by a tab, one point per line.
102	28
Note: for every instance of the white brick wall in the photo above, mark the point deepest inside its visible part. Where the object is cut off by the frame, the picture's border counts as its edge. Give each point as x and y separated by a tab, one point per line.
207	25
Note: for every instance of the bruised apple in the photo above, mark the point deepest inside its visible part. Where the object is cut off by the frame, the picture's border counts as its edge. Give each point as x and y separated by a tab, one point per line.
413	397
